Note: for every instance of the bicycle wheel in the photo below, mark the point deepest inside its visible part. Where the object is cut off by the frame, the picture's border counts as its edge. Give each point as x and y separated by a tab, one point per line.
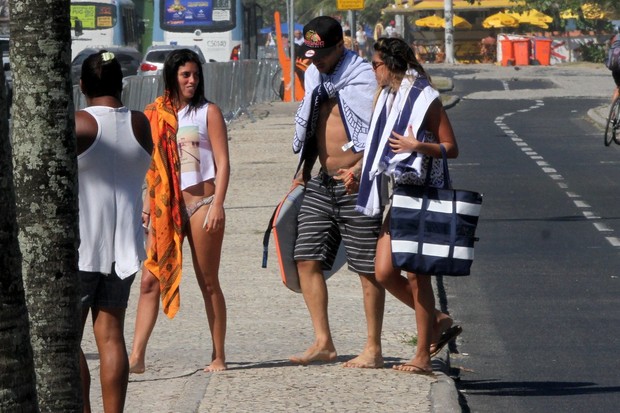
613	123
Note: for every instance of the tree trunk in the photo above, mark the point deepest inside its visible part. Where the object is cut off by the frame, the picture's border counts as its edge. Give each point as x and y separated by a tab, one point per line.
45	168
17	382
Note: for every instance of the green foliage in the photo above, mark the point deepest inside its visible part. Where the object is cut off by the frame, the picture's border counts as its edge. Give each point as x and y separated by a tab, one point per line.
592	52
410	340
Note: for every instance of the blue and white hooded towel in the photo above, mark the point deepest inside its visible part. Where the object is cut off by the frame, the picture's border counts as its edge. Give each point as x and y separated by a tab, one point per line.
393	113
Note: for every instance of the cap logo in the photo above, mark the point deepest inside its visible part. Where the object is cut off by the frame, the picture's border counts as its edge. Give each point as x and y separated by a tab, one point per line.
313	40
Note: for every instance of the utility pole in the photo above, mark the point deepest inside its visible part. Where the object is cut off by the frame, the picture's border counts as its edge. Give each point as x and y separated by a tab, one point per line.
449	42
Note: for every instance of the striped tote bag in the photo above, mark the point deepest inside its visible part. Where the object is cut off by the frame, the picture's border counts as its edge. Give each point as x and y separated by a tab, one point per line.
433	229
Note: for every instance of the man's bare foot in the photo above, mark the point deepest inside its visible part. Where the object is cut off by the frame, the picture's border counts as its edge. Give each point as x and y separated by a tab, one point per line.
137	367
365	361
216	365
314	354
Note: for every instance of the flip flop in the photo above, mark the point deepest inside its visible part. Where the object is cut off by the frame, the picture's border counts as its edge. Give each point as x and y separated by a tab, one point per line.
415	369
445	338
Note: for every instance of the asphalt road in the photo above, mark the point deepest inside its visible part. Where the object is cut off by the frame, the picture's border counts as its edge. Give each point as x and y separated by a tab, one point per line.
540	309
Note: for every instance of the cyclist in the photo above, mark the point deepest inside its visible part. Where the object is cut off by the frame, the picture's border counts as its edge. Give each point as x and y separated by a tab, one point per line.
614	66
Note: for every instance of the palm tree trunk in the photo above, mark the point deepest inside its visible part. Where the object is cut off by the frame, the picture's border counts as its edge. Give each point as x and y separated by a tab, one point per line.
45	169
17	382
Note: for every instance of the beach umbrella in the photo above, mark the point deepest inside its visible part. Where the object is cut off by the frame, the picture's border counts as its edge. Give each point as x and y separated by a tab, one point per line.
590	11
432	22
460	23
568	14
534	18
500	20
593	12
436	22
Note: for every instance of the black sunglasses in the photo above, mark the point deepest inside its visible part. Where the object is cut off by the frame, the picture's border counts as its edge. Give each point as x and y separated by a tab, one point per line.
375	65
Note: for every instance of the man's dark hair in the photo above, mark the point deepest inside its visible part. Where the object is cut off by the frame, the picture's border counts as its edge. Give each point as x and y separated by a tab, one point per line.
102	75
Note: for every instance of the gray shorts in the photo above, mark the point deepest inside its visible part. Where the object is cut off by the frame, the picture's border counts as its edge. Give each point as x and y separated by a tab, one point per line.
104	290
328	216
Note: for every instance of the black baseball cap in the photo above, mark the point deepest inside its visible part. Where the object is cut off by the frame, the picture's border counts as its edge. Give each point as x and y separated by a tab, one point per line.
321	35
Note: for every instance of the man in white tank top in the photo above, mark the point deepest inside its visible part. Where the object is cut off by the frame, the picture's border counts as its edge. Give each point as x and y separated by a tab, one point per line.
114	146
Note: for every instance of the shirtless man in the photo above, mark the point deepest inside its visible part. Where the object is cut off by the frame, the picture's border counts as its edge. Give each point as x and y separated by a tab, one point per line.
331	124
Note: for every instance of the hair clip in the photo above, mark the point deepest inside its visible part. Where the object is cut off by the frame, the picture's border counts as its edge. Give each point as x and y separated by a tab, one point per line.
107	56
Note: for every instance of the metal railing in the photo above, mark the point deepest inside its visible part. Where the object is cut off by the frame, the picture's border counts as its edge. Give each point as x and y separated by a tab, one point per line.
233	86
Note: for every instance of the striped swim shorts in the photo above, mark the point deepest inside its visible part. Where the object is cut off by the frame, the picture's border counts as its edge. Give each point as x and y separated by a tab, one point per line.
328	216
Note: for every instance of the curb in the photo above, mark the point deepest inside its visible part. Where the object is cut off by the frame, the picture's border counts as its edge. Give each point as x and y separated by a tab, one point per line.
444	397
599	115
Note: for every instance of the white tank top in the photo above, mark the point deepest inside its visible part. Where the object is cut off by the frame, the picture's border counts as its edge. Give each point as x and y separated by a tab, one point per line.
111	172
195	151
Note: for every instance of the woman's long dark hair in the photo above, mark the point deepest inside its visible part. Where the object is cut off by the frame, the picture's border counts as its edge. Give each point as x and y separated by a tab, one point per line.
176	59
398	56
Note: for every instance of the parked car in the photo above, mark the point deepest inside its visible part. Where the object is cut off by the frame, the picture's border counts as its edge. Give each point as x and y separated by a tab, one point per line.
153	62
128	57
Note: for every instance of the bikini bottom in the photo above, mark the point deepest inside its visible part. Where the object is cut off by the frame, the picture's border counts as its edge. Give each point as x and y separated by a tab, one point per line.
190	209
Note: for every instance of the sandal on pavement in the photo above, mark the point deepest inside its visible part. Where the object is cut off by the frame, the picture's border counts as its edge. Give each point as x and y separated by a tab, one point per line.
413	369
447	336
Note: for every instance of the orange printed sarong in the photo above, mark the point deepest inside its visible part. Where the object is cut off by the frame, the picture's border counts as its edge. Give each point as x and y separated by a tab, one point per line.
164	255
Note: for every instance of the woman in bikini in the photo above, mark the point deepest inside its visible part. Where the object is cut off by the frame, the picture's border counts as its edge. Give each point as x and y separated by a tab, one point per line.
186	188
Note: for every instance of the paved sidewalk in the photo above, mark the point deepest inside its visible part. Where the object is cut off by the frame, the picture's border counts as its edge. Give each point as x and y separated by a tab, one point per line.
267	322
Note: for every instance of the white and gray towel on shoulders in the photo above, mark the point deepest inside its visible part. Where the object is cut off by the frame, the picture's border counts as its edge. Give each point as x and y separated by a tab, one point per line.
354	84
393	113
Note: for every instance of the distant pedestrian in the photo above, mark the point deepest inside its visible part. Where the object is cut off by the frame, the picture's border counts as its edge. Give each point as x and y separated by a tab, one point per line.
360	37
378	31
187	185
390	30
114	146
299	39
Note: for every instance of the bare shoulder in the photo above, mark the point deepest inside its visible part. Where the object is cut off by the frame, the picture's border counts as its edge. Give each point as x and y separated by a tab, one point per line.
214	112
142	130
86	130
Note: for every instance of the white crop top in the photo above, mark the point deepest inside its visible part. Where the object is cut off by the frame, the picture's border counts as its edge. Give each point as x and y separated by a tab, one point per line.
111	172
195	151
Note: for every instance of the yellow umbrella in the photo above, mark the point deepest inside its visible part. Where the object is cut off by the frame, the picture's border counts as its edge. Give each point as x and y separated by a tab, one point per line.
460	23
568	14
590	11
499	20
432	22
436	22
593	12
533	17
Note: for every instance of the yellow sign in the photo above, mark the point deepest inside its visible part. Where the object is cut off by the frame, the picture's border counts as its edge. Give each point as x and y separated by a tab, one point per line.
350	4
86	14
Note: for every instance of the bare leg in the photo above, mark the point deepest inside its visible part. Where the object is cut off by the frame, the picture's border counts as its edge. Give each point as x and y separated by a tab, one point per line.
146	317
108	324
206	253
315	295
424	315
374	304
616	93
398	285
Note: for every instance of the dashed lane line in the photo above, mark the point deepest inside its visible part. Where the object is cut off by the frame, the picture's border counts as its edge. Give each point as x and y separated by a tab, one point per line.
552	172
